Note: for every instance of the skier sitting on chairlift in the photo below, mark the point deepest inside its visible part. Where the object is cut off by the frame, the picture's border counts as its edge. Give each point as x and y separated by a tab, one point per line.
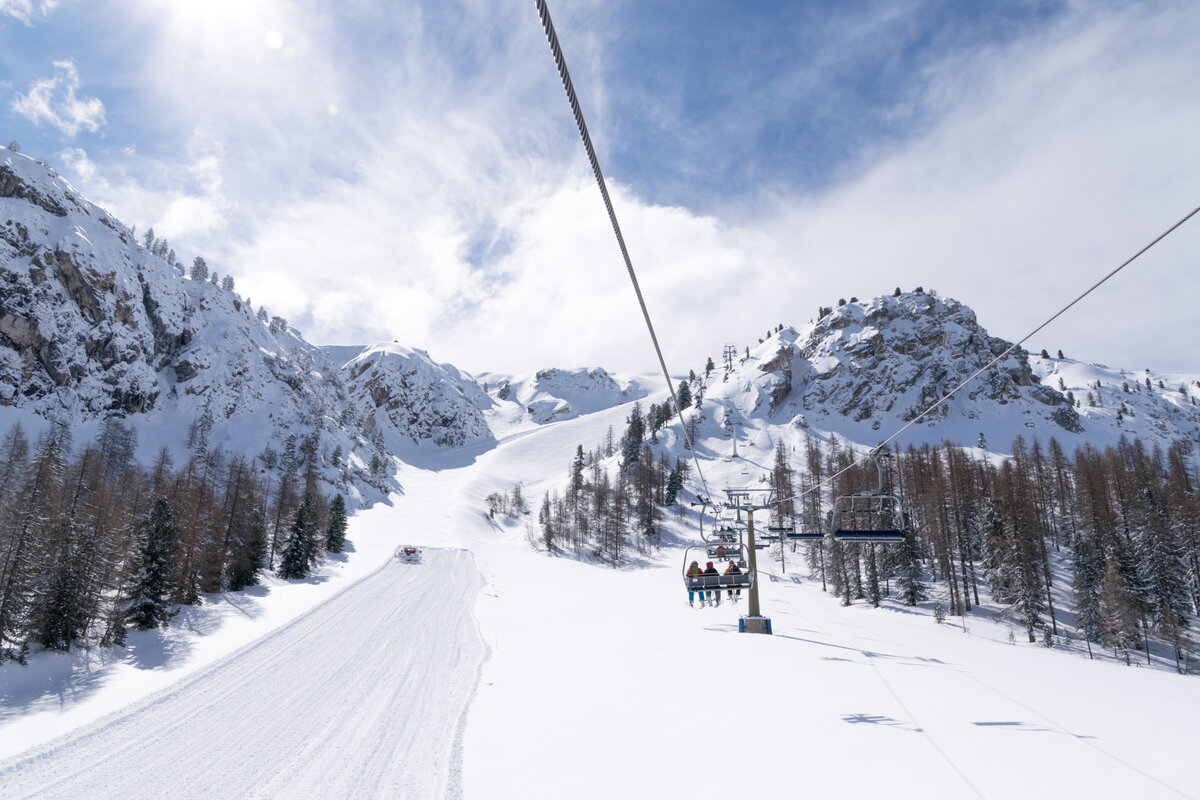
732	569
714	595
694	569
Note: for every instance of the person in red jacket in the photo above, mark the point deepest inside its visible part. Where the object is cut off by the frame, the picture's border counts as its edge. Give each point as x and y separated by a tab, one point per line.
714	594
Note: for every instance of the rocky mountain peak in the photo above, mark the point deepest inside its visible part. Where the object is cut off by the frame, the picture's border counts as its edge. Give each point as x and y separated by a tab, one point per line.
886	360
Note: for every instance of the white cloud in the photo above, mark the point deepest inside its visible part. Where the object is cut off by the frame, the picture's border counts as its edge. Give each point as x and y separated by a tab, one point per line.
184	201
1052	161
454	211
568	300
54	101
77	161
25	10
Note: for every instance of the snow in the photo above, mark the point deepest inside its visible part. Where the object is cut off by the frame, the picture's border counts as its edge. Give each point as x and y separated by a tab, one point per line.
317	708
582	681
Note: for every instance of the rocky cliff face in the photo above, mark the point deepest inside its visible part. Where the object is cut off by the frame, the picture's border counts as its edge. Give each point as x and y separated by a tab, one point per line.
898	355
867	369
417	398
93	325
75	329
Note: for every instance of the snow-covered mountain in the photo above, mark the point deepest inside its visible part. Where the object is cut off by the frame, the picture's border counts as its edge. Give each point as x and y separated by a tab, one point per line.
94	324
867	369
552	395
417	398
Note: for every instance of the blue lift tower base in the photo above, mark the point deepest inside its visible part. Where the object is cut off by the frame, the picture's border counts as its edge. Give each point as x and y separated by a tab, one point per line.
754	625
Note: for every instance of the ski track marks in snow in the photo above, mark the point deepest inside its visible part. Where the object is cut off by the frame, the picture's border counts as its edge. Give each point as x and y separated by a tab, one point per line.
364	696
992	712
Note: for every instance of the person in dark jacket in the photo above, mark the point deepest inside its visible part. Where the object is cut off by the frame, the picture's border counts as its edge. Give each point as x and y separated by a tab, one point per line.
732	569
714	594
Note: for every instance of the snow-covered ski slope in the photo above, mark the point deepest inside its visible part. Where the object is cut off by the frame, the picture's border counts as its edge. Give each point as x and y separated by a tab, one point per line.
595	683
364	696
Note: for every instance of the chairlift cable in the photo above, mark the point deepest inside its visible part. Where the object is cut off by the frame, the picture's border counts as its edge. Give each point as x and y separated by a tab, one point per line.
560	61
871	453
556	50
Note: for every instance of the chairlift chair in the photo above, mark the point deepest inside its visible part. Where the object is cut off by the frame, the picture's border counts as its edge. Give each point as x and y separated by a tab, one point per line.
723	550
807	526
743	580
867	517
764	540
727	536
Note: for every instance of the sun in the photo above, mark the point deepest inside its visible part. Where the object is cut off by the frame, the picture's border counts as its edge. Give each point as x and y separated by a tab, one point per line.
220	24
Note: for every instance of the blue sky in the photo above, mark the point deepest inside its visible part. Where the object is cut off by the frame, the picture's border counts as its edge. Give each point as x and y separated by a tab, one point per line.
410	171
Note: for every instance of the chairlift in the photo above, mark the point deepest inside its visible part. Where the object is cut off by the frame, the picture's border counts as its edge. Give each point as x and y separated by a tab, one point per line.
806	526
724	550
764	540
743	580
868	516
725	535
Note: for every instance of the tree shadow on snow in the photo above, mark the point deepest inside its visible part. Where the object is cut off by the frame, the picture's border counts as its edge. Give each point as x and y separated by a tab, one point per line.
55	679
153	649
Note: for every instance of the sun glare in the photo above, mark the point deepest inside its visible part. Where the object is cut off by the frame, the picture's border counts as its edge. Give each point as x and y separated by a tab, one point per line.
225	23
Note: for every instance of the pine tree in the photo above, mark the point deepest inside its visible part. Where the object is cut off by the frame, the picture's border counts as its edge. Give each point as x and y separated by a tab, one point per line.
294	562
674	483
1165	566
69	582
158	543
1085	589
1119	623
335	534
26	543
996	546
199	269
874	593
248	552
909	573
631	442
684	395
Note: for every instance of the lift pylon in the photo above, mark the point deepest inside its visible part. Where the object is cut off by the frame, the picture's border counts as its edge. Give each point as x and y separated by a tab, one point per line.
751	500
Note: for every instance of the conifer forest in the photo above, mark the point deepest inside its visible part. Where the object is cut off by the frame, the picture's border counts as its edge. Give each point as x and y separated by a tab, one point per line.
1103	545
92	545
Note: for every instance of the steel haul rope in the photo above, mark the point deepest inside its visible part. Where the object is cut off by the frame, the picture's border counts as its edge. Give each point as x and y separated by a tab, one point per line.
563	73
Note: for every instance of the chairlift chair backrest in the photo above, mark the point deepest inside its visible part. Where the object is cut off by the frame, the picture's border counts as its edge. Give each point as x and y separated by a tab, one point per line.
868	517
808	526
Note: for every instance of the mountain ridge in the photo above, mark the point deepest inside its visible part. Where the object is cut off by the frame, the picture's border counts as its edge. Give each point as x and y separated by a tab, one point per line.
94	324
